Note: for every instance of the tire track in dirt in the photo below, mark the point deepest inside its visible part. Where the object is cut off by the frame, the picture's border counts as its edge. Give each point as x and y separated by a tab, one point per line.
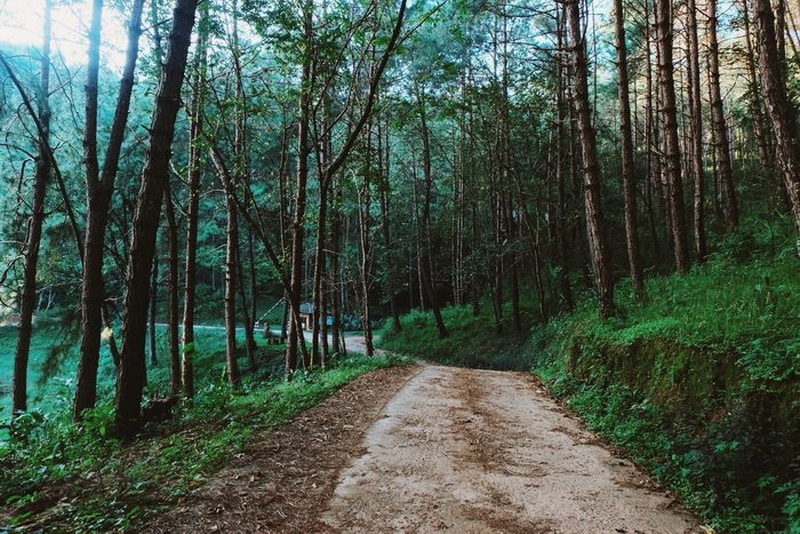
471	451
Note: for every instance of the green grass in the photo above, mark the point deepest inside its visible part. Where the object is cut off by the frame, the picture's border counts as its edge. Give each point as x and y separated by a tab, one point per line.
52	369
700	383
472	340
115	484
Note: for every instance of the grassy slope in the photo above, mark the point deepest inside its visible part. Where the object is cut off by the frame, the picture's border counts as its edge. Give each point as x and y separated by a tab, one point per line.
113	485
699	384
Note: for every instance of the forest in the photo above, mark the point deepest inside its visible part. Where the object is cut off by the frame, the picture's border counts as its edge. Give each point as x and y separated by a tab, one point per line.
605	194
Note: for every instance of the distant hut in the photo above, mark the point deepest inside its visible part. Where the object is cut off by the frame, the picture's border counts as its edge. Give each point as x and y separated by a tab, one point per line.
307	316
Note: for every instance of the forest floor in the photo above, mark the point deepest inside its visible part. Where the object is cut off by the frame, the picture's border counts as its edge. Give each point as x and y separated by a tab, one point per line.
431	449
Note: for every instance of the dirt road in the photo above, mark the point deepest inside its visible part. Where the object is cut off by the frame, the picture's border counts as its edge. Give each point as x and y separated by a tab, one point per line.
470	451
429	449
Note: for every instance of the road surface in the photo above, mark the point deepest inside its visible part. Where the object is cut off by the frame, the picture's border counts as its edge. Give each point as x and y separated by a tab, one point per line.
471	451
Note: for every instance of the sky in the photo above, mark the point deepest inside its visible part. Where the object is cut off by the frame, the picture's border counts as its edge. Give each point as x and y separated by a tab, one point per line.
21	24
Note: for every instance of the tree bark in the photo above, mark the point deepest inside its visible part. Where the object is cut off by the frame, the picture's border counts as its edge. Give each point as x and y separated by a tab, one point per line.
723	153
628	169
385	188
365	240
426	276
781	111
295	340
173	305
99	190
231	271
30	252
765	150
152	314
591	169
695	145
672	155
562	252
145	224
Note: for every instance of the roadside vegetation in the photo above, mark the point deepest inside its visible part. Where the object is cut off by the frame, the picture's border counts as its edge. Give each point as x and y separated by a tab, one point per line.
77	478
700	383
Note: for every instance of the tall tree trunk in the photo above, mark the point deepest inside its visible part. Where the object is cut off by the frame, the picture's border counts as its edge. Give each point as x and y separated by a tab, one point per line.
145	224
192	212
283	219
248	317
426	275
173	304
781	111
765	152
241	176
695	146
365	240
320	259
723	153
231	271
628	169
507	171
672	155
591	168
385	189
153	310
30	252
335	286
295	341
562	252
652	163
99	189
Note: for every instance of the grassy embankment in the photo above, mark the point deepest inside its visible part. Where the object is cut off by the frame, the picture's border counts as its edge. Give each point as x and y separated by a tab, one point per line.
700	384
78	479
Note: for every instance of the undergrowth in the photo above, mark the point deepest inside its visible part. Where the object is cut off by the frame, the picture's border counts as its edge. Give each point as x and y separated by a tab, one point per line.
699	383
714	420
472	340
104	485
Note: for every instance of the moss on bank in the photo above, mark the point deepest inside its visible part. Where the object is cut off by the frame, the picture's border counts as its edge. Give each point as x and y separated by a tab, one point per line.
700	384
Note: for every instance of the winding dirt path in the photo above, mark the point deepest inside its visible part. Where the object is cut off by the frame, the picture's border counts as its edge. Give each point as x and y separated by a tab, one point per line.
471	451
429	449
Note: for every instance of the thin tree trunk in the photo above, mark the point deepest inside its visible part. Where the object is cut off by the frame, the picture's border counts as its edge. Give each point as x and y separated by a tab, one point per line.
145	224
724	166
628	169
298	233
425	242
192	212
591	169
173	304
385	191
695	146
335	287
241	177
561	171
365	240
765	152
652	164
94	311
231	271
152	313
30	252
672	155
248	318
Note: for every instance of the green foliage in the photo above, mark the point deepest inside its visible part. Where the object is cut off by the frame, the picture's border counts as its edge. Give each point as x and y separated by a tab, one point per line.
472	340
699	383
111	485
